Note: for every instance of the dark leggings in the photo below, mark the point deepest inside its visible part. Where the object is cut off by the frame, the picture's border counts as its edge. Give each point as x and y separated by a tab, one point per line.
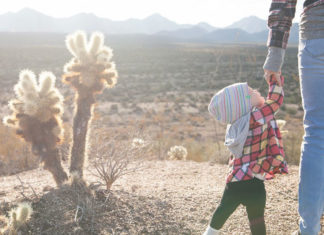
250	193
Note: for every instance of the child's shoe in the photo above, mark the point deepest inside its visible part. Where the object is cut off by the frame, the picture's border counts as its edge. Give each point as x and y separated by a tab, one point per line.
211	231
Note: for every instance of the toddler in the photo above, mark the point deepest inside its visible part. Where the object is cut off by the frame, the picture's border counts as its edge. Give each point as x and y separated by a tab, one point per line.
254	140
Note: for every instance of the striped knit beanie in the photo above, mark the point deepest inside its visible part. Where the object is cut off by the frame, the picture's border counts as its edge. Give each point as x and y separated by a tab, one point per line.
231	103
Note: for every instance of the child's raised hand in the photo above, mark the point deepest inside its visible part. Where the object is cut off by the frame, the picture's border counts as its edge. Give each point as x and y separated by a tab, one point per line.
268	74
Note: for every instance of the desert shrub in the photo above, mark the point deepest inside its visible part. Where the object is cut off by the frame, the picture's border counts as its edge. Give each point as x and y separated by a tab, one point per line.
137	109
113	157
291	111
292	145
283	107
178	153
113	109
138	143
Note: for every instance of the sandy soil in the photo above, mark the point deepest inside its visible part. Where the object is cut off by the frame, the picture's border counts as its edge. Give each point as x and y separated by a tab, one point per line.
166	197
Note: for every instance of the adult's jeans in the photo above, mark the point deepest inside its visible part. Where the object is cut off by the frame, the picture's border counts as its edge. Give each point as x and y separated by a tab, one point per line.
311	172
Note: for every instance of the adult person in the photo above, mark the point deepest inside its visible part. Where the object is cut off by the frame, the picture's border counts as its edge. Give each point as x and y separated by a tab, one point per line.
311	72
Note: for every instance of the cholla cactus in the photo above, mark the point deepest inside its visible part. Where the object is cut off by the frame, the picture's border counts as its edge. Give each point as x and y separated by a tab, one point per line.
89	72
17	218
281	124
37	112
177	153
138	143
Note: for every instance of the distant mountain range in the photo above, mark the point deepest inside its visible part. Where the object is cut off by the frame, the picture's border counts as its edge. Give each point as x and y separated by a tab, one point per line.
250	29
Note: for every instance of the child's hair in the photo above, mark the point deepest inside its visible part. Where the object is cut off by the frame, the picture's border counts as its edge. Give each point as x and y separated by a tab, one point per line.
231	103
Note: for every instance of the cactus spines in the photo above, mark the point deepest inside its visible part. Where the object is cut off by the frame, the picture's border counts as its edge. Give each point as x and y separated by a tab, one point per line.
96	43
17	218
91	63
37	112
89	73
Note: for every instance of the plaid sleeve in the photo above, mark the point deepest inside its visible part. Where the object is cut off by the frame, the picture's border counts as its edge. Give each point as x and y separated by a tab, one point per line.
280	19
260	116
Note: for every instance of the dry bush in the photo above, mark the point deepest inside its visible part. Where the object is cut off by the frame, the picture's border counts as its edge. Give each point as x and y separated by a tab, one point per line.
113	157
15	154
178	153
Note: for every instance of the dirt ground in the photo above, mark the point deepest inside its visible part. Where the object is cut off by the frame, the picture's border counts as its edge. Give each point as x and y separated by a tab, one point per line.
166	197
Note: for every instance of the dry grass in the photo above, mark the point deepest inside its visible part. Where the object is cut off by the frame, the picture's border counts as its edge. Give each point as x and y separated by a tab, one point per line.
204	142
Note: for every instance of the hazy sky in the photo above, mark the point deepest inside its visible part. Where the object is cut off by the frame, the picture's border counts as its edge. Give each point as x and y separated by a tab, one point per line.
218	13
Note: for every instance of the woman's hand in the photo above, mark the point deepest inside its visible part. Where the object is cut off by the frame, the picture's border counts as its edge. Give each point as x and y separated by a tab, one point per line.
268	74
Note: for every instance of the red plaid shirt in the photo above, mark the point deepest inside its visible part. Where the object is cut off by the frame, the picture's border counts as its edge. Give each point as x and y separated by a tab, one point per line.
263	149
280	19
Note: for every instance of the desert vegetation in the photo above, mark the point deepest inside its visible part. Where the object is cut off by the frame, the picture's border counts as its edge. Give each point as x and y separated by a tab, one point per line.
109	151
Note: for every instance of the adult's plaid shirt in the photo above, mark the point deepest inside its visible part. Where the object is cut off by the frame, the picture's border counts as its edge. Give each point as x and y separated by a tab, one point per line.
280	19
263	150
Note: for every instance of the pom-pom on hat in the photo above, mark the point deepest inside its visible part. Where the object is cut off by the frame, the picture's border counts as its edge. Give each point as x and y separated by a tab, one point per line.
231	103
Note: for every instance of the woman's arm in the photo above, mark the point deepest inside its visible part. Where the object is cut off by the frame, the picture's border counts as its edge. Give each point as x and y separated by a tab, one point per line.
280	19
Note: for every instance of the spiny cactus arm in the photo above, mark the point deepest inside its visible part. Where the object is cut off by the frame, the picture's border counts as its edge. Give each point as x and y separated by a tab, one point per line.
13	223
19	92
16	105
104	55
70	44
72	66
27	81
96	43
10	121
81	41
110	77
24	212
46	83
72	78
81	44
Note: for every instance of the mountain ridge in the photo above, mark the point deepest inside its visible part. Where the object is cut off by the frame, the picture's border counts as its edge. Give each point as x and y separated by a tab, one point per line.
248	29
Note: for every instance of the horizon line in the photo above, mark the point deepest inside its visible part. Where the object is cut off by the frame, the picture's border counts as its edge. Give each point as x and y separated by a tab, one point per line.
127	19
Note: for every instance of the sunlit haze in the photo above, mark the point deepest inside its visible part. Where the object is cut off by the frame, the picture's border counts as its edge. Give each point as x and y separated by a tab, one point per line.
218	13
